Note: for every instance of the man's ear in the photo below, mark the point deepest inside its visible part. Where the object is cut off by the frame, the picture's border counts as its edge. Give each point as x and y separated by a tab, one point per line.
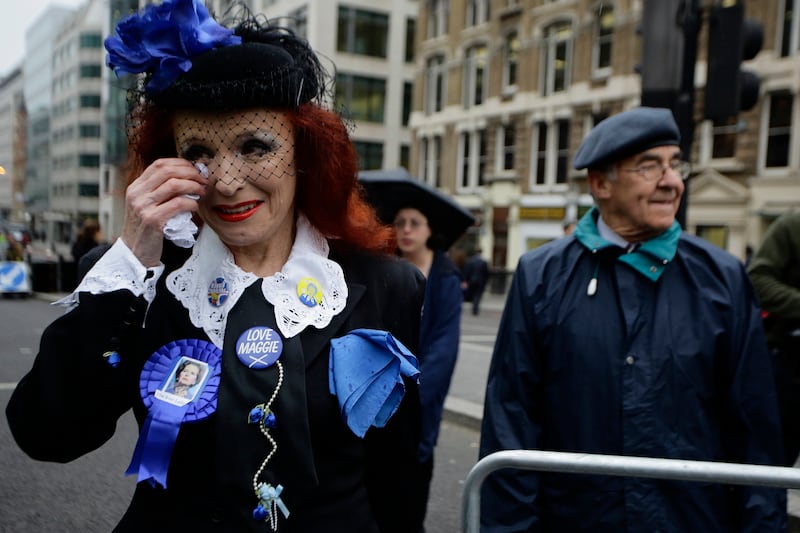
599	184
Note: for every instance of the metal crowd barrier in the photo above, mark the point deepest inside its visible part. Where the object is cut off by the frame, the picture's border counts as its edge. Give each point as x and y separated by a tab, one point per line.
616	465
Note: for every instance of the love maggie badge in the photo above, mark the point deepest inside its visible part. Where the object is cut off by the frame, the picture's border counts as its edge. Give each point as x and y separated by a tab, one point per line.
179	383
259	347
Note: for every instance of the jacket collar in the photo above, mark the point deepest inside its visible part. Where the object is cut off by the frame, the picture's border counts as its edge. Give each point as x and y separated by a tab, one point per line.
649	259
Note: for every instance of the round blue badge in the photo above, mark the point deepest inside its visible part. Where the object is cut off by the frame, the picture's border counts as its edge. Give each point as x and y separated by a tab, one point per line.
218	292
259	347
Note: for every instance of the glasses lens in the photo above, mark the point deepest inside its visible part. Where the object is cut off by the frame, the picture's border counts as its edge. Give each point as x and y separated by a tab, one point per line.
682	168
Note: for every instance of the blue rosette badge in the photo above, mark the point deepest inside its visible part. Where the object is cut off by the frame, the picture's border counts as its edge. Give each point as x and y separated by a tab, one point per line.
178	384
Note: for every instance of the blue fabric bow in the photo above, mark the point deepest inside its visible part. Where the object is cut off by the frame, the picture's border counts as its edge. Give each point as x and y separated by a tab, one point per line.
365	374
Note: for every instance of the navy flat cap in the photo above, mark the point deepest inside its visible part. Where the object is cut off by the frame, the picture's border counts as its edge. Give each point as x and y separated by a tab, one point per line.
626	134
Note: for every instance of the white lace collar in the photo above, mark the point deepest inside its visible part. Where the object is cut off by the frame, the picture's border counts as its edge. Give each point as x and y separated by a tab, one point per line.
308	261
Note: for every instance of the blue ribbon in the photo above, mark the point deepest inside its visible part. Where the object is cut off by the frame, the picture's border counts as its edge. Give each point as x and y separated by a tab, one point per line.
156	440
364	374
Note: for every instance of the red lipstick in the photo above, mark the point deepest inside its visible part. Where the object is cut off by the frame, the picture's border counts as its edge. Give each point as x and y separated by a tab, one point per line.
237	212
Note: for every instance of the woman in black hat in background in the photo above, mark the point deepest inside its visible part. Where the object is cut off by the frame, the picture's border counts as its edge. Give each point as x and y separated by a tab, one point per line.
419	244
286	432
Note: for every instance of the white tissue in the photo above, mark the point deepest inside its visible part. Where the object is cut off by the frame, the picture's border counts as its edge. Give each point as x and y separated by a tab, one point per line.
180	229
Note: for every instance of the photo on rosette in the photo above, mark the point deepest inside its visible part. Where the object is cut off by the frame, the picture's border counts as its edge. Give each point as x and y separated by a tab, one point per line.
185	381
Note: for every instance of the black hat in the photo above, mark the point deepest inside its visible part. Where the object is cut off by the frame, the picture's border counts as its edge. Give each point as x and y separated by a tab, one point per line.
626	134
191	61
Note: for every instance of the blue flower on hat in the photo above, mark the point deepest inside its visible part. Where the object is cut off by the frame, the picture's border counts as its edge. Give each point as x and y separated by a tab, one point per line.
162	39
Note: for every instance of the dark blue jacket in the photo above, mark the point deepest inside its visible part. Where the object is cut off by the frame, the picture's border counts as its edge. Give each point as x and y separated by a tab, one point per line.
675	368
438	345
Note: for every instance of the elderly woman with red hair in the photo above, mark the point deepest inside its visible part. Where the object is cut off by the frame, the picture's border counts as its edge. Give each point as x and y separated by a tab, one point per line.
247	247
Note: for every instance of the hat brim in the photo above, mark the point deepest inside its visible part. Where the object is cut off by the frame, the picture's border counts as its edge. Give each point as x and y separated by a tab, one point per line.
391	190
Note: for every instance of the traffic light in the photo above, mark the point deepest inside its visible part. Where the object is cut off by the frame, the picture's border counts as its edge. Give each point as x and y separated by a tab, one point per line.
731	39
662	53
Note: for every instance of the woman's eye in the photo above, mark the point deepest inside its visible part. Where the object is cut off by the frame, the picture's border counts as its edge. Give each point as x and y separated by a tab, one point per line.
256	148
197	153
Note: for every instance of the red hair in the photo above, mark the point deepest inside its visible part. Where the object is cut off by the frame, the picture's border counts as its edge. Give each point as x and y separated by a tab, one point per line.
328	193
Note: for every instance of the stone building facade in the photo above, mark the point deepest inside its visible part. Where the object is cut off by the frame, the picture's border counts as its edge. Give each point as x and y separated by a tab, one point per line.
505	90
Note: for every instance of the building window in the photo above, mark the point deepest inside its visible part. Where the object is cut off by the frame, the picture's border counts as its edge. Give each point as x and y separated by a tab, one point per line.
556	56
475	76
723	138
411	31
789	23
472	159
91	190
370	155
90	71
435	78
430	160
363	98
779	130
298	21
89	161
511	62
505	141
604	36
408	92
91	40
562	153
362	32
597	118
550	150
438	13
89	131
477	12
405	155
540	153
437	161
90	101
424	147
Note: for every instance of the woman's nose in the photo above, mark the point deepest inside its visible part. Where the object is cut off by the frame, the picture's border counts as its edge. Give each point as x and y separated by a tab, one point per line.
226	175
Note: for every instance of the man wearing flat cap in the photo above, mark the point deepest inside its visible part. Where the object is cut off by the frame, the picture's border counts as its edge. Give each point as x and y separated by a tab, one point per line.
630	337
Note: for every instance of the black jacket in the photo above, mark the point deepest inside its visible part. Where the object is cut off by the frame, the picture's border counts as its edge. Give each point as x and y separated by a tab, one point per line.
68	405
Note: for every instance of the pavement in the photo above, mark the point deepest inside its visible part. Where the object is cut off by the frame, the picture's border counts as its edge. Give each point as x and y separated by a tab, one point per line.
464	404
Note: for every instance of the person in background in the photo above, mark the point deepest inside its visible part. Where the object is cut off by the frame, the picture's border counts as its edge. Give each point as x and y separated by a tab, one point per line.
417	243
775	272
633	338
88	237
476	275
308	420
569	227
4	245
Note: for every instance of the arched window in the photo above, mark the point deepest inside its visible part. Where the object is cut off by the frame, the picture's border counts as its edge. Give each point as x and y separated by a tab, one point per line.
556	57
475	76
511	60
603	39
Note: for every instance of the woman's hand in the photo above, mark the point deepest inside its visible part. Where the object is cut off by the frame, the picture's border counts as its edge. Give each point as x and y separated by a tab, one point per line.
152	199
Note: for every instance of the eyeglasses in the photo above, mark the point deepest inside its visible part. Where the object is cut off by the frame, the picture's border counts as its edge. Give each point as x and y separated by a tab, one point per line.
401	223
654	171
